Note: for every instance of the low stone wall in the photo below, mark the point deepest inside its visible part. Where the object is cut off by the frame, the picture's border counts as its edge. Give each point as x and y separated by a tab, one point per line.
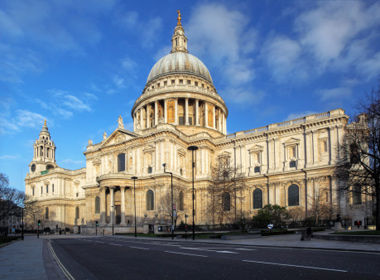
350	238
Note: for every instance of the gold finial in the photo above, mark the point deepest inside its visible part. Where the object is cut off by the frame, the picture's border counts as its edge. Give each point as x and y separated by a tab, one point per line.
179	18
45	122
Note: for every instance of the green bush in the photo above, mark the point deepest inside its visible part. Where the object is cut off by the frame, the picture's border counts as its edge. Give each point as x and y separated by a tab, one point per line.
270	214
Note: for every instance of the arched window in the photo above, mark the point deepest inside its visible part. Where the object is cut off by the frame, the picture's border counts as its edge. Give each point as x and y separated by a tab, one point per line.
180	206
33	191
257	199
97	205
46	213
41	151
226	201
357	195
149	200
293	195
77	212
121	162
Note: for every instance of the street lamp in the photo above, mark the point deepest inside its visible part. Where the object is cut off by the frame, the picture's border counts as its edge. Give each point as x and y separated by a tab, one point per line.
134	178
192	149
22	223
171	186
113	219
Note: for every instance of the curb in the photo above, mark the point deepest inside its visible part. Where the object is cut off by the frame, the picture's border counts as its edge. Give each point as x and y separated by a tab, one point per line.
59	263
253	245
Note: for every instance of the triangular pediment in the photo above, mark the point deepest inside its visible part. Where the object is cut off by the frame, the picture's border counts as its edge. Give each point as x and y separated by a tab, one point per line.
118	136
291	141
256	148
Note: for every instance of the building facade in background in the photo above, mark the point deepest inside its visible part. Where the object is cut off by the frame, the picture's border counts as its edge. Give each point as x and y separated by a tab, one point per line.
289	163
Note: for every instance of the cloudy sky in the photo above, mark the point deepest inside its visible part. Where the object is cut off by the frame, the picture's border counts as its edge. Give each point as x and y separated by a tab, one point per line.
81	64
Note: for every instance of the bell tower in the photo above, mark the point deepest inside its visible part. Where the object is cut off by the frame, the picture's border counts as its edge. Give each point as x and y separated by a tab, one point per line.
44	152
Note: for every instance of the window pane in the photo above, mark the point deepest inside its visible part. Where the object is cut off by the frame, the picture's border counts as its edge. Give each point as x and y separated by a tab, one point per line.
121	162
97	205
226	201
293	195
257	199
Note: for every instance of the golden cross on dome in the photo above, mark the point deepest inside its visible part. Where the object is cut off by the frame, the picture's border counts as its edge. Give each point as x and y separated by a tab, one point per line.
45	122
179	17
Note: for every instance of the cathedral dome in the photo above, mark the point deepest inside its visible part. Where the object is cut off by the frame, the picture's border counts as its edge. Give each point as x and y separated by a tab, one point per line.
179	63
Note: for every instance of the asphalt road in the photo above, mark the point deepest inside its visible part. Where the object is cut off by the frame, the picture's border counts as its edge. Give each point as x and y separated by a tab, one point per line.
119	258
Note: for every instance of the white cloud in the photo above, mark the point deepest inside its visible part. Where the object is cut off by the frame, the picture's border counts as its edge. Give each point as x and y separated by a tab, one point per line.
75	103
129	64
282	56
328	29
240	95
64	105
147	30
9	157
118	81
222	35
22	119
335	93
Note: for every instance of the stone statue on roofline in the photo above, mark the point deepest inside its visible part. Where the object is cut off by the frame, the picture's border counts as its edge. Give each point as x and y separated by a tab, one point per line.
120	122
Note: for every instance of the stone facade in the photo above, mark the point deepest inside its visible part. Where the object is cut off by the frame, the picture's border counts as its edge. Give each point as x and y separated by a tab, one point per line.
180	107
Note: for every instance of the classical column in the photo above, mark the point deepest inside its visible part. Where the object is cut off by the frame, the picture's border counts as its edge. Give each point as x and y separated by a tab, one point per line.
103	206
148	116
176	110
206	119
213	117
156	113
196	112
122	191
187	111
165	111
141	118
112	206
220	120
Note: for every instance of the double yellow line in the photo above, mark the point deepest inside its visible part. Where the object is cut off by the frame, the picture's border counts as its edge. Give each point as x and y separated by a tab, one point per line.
59	263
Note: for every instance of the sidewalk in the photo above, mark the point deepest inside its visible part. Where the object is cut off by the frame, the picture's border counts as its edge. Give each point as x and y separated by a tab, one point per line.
22	260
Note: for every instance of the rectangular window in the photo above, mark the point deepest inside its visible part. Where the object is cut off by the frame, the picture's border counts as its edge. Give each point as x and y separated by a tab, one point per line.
180	82
52	188
292	164
196	84
188	82
173	82
181	120
165	83
41	190
47	188
257	169
150	169
33	191
190	120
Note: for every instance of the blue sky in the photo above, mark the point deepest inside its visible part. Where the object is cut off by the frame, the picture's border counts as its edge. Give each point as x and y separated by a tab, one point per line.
81	64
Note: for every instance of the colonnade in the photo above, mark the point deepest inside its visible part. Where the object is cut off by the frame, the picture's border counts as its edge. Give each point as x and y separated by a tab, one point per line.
180	111
103	205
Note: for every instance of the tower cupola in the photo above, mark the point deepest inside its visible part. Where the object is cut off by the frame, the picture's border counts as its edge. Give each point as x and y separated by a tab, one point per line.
44	152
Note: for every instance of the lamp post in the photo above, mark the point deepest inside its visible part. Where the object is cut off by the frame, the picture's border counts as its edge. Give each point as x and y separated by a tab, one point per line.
192	149
22	223
134	178
113	219
171	188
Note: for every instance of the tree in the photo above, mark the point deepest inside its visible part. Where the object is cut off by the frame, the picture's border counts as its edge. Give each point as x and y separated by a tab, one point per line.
11	200
178	201
270	214
225	191
32	213
359	166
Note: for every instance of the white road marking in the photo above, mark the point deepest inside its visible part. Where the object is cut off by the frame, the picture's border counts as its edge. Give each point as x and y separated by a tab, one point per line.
194	248
140	248
115	244
293	265
244	249
185	254
226	252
